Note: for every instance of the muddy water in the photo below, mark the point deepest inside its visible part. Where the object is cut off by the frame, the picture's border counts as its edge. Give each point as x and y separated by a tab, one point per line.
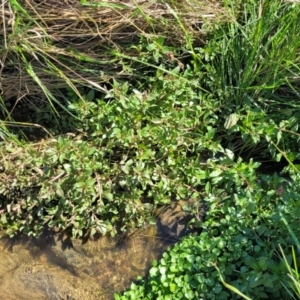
53	268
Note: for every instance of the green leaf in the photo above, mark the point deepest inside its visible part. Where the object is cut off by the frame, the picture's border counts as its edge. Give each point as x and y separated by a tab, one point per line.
231	120
173	268
215	173
154	263
217	289
162	270
207	188
117	296
108	196
189	295
59	191
173	287
268	281
230	154
90	95
153	271
3	218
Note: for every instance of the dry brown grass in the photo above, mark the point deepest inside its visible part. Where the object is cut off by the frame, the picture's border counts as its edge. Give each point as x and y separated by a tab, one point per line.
65	41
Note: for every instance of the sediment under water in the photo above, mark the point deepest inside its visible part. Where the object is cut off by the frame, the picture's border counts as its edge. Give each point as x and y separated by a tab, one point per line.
53	268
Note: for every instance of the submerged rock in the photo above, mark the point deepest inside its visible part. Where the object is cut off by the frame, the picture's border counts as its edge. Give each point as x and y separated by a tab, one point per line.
173	220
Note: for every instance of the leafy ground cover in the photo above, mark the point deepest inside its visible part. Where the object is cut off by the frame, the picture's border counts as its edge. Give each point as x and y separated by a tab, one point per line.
168	121
239	242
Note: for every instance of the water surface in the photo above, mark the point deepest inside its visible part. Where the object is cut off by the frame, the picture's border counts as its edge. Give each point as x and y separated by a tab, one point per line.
53	267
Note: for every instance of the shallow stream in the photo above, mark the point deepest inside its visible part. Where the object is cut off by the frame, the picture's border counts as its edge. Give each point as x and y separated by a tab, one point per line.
49	268
53	268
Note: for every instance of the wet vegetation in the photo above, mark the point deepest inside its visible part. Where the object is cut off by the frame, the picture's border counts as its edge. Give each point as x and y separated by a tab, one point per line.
136	106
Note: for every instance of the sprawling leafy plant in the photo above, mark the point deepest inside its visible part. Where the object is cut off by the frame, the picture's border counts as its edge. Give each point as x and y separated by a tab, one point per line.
134	147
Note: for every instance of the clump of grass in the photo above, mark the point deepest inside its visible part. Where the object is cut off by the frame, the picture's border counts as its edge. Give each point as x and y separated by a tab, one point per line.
291	263
257	57
251	66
